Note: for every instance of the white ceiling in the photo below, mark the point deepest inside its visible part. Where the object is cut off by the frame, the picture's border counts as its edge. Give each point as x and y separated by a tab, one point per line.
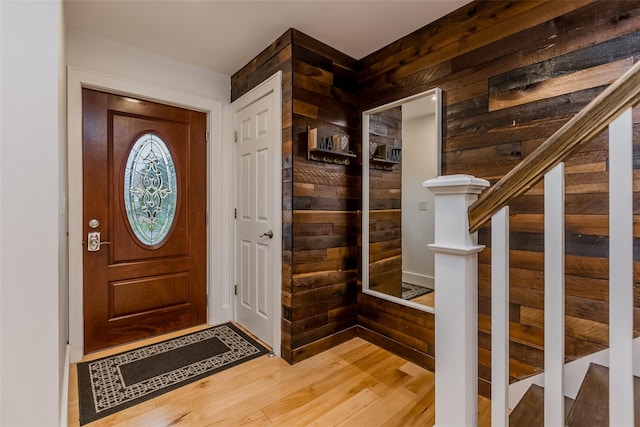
223	35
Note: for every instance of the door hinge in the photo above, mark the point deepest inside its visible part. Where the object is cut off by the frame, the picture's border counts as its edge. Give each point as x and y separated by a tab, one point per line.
235	136
235	213
206	218
235	290
207	299
207	136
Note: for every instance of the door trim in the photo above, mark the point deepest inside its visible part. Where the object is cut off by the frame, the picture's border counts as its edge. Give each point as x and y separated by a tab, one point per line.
218	181
272	85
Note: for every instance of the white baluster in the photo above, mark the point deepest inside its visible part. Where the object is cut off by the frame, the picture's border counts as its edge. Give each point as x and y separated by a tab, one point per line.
554	297
456	300
621	271
500	318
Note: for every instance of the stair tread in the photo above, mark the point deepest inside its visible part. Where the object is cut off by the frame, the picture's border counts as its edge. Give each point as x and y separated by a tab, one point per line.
591	407
592	401
568	404
529	411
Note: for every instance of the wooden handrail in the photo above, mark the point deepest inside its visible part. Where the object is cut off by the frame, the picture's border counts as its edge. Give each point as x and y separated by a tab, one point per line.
622	94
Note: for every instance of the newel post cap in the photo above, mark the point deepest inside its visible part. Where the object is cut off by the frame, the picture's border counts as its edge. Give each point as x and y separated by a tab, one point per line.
456	184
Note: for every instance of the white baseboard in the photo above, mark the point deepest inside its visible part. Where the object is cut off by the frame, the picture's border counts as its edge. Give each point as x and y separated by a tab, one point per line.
574	373
64	398
418	279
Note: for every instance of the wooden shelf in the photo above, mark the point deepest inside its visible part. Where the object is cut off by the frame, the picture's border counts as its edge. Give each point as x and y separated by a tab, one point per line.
381	164
381	160
329	156
387	156
316	149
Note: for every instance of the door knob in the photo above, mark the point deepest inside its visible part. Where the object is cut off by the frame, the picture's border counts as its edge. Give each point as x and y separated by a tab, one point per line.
269	234
93	241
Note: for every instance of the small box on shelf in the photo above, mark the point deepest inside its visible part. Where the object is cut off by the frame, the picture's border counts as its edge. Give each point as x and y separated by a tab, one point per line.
329	148
389	153
385	156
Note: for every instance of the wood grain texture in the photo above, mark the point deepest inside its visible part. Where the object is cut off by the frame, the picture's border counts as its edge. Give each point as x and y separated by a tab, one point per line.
278	57
544	68
352	383
483	53
321	200
592	401
530	410
325	196
133	290
580	130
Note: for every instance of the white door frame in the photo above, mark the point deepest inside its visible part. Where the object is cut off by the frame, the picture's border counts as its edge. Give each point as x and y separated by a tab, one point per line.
218	182
272	84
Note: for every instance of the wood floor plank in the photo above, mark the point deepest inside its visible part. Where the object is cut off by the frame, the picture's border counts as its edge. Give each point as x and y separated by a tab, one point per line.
328	393
362	401
385	408
418	413
353	384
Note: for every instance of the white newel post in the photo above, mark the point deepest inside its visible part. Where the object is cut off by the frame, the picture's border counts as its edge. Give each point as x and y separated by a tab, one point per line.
456	300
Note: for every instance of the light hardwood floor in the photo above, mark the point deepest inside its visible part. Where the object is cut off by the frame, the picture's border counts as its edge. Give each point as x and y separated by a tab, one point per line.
428	299
353	384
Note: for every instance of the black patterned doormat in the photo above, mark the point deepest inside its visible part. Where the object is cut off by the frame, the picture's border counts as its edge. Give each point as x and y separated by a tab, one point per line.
410	291
111	384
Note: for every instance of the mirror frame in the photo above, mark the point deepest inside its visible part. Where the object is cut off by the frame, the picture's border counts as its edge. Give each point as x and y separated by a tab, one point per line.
437	92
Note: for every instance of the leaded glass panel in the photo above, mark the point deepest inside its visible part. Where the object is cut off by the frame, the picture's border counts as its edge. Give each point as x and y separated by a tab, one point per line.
150	189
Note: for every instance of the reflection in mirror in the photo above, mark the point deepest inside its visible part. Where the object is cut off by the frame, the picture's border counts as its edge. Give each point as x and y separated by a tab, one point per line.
404	139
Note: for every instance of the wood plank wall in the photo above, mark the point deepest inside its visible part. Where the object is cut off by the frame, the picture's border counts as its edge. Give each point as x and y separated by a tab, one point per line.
385	220
277	57
321	201
512	73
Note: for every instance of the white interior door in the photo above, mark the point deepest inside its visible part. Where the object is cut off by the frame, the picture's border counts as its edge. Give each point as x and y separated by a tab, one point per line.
257	228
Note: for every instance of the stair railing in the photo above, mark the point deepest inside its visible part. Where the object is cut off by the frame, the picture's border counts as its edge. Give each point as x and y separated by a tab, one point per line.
459	213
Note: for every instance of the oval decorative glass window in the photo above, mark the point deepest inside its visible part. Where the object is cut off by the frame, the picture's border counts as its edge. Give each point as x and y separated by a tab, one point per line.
150	189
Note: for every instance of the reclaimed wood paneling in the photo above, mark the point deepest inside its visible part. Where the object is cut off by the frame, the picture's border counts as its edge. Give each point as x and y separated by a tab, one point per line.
326	200
385	222
320	201
278	57
512	73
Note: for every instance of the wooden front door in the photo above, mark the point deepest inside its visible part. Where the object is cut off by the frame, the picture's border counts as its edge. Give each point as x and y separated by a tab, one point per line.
144	180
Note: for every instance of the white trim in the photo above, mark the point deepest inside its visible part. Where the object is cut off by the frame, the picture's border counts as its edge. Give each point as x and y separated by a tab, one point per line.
64	395
423	280
456	251
218	174
456	299
554	334
398	300
272	85
456	184
500	318
437	92
1	210
621	399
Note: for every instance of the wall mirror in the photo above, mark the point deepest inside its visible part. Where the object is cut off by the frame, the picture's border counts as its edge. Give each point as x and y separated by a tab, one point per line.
404	141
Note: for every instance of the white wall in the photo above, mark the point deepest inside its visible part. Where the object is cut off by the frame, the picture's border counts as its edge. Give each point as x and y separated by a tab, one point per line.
63	239
29	222
106	56
124	69
419	163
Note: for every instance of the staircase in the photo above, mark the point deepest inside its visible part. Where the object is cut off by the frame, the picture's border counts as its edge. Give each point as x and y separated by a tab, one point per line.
463	204
590	408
